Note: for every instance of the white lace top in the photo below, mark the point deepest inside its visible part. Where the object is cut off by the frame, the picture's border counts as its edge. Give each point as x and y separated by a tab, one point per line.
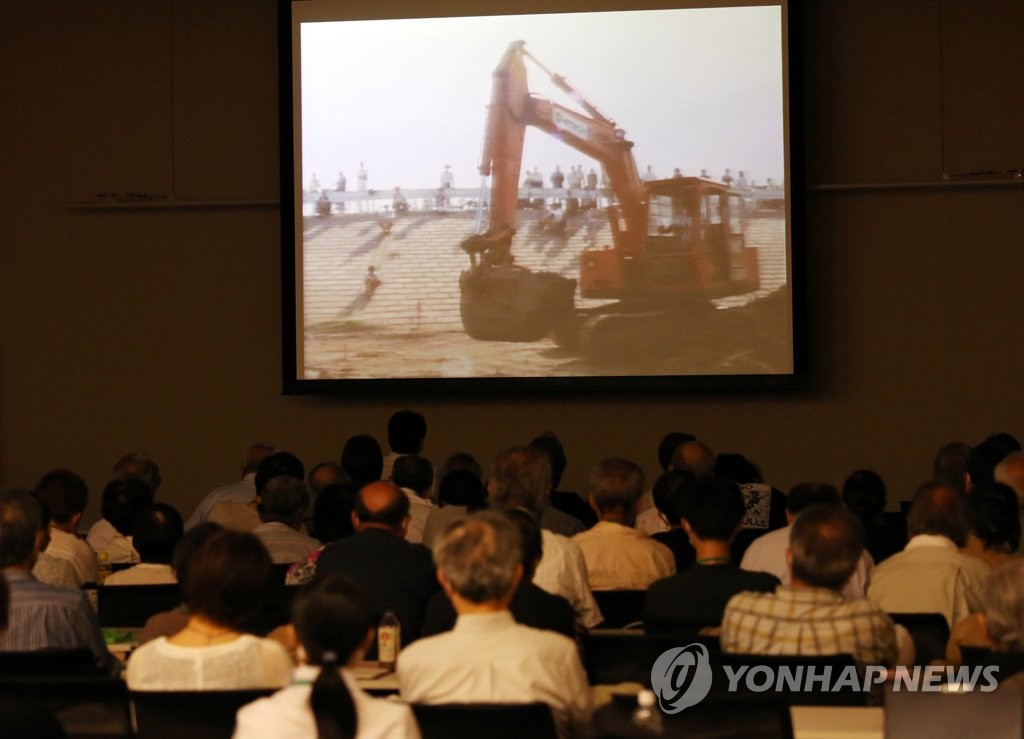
246	662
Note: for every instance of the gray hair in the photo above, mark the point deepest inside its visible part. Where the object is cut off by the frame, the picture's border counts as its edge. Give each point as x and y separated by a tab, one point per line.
616	484
1003	599
521	478
826	543
479	554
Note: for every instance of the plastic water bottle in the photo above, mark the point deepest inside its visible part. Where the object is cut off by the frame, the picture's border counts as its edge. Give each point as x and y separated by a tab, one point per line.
389	640
647	716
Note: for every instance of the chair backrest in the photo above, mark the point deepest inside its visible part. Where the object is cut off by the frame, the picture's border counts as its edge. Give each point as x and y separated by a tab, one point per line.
930	632
84	705
189	714
132	605
52	663
492	720
620	607
1009	663
615	656
994	715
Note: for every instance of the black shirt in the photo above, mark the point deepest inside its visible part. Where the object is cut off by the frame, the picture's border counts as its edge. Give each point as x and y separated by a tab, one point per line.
689	600
679	542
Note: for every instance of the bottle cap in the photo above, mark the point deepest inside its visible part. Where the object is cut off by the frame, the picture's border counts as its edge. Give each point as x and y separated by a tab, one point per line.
646	698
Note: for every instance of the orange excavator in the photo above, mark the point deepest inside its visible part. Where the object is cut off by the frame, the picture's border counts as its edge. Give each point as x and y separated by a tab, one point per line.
676	243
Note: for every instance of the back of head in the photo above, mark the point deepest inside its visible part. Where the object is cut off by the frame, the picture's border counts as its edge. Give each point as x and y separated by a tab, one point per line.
530	538
696	457
227	578
135	465
950	464
413	472
1003	601
667	448
864	494
737	468
995	516
325	474
806	494
406	432
190	541
284	500
64	493
275	465
157	533
616	486
124	500
1011	472
939	510
714	508
255	454
362	460
826	542
332	513
549	444
521	478
21	519
668	493
479	556
462	488
982	460
461	461
331	620
381	504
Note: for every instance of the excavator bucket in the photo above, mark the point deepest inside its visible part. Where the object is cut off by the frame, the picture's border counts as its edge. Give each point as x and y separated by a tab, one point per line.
511	303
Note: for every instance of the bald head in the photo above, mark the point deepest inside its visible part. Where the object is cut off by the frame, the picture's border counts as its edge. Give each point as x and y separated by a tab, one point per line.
1011	472
940	510
255	454
381	505
695	457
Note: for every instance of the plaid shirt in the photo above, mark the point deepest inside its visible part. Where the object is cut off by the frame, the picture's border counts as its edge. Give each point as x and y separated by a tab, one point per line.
812	621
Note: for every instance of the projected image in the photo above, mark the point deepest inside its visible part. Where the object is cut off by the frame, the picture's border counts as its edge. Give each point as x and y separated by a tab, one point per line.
568	195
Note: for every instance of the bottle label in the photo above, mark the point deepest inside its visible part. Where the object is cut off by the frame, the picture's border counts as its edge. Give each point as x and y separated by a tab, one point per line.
387	644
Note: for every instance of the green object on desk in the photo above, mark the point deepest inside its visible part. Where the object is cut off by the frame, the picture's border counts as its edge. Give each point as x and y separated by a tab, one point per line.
117	636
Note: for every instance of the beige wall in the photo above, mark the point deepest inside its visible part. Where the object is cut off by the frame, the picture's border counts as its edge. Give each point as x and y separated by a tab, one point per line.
160	330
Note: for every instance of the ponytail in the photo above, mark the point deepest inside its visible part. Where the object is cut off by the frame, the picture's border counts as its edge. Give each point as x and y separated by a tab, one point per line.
333	708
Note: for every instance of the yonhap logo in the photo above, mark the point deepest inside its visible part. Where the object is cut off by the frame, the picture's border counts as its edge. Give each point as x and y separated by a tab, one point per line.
681	677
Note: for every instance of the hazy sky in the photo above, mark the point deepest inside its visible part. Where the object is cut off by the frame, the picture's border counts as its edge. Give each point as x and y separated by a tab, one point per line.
698	88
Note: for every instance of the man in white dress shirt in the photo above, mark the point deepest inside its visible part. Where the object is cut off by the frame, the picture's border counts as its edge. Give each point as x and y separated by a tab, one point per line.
65	495
236	492
123	501
488	657
157	533
414	476
282	508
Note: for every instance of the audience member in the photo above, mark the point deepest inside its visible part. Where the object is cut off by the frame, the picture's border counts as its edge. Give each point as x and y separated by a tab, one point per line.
157	533
282	508
618	556
225	588
768	554
323	475
530	605
242	491
407	431
459	493
394	574
711	511
983	458
488	657
137	466
931	575
521	479
567	502
647	517
40	616
696	457
811	615
865	497
65	495
362	460
667	492
334	627
950	465
999	625
332	520
49	569
461	461
995	524
765	506
414	476
123	501
246	516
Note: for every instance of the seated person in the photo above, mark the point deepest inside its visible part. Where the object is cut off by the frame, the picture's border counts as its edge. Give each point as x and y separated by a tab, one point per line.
488	657
157	533
995	524
334	627
332	520
282	509
225	587
65	494
49	569
667	493
711	510
246	516
460	492
864	495
414	475
530	605
618	556
123	501
811	615
999	626
578	515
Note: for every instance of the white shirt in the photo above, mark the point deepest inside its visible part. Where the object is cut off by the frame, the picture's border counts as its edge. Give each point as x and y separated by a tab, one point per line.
146	573
489	658
563	571
103	537
651	522
285	544
246	662
419	510
237	492
768	554
81	556
619	557
287	713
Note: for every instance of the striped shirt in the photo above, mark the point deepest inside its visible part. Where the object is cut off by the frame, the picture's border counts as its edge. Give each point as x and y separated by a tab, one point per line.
811	621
